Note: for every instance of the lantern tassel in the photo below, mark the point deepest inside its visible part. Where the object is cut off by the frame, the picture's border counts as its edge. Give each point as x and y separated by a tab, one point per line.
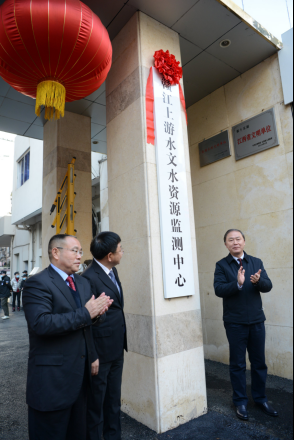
51	94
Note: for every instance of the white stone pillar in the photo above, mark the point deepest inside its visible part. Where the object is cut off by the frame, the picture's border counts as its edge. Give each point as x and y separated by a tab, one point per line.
164	379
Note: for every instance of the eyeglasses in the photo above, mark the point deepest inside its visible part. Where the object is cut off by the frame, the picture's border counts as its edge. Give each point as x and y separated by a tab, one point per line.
75	251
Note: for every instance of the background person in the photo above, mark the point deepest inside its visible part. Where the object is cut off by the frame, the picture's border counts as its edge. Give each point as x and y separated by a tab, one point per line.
23	280
239	279
104	404
5	289
16	291
59	308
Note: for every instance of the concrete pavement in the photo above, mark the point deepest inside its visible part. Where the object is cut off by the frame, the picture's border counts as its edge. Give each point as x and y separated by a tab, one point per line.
220	423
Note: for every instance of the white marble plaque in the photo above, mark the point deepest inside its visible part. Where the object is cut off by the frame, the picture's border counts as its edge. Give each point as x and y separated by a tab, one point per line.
177	261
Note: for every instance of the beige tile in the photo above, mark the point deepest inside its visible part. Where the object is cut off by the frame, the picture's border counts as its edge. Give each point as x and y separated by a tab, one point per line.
127	92
210	244
279	351
83	225
278	304
207	117
263	188
50	137
74	132
178	332
286	120
270	237
127	204
182	388
217	346
125	55
212	306
135	276
141	336
125	150
254	91
289	158
216	201
139	397
151	33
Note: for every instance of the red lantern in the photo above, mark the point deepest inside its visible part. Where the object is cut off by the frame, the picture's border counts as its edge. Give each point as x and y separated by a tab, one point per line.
56	51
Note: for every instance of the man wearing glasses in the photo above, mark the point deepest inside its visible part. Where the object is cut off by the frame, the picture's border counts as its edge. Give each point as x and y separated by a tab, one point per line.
110	340
60	310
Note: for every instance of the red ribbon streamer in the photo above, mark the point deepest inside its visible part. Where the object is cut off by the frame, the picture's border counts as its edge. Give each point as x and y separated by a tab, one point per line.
150	108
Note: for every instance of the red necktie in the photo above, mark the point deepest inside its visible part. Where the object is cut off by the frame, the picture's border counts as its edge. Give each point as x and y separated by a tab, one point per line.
240	261
71	283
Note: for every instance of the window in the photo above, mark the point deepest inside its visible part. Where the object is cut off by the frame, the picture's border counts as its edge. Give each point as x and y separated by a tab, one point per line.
24	169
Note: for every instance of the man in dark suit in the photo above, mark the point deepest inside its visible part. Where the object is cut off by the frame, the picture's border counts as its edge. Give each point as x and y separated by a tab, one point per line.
110	340
244	320
60	309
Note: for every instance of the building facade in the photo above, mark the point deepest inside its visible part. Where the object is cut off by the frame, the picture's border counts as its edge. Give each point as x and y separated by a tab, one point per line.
231	73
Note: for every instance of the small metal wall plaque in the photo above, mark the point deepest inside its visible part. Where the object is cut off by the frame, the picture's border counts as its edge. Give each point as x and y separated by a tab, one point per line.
214	149
255	135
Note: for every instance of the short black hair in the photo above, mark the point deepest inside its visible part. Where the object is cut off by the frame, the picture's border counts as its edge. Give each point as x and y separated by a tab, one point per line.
233	230
55	241
104	244
16	273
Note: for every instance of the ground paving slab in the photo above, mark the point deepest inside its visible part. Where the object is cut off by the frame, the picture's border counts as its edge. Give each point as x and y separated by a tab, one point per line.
220	423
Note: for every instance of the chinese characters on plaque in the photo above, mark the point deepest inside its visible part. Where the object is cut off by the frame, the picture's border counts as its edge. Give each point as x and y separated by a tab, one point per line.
177	259
214	149
255	135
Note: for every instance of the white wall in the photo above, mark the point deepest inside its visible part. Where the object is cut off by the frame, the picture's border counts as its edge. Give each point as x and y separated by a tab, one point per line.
27	198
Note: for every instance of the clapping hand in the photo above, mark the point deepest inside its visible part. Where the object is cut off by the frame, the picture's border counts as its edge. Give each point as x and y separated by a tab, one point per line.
255	278
241	276
97	307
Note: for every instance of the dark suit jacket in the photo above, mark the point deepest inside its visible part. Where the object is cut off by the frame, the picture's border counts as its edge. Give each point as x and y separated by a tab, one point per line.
111	337
59	334
241	306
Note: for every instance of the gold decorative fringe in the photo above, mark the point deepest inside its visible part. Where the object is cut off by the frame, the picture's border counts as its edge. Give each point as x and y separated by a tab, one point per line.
51	94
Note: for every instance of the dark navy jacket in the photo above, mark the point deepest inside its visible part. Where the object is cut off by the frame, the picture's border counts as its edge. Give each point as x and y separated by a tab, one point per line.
58	332
111	337
241	306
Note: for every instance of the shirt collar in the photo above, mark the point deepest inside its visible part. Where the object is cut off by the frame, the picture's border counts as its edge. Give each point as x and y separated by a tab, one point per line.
237	259
63	275
106	270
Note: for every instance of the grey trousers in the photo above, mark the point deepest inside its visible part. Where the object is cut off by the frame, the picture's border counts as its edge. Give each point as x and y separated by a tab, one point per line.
4	305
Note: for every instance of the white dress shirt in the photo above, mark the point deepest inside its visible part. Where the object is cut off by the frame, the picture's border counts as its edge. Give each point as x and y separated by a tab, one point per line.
107	271
237	259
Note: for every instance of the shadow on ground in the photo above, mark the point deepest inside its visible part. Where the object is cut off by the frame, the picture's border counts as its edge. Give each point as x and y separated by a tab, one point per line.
219	424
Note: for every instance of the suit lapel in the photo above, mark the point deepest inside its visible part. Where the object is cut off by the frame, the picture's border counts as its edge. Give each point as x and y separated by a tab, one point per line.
62	286
81	289
120	286
106	280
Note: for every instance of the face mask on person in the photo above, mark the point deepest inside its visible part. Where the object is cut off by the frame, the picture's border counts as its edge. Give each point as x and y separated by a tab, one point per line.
17	277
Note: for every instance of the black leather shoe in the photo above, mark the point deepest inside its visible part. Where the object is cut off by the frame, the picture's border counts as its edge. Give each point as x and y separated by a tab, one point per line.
268	409
242	413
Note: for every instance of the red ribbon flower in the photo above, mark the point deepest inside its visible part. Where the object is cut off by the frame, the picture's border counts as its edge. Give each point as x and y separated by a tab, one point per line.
167	64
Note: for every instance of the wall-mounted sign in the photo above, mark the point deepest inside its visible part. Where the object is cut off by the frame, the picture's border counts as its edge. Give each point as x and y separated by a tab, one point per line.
214	149
177	257
255	135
